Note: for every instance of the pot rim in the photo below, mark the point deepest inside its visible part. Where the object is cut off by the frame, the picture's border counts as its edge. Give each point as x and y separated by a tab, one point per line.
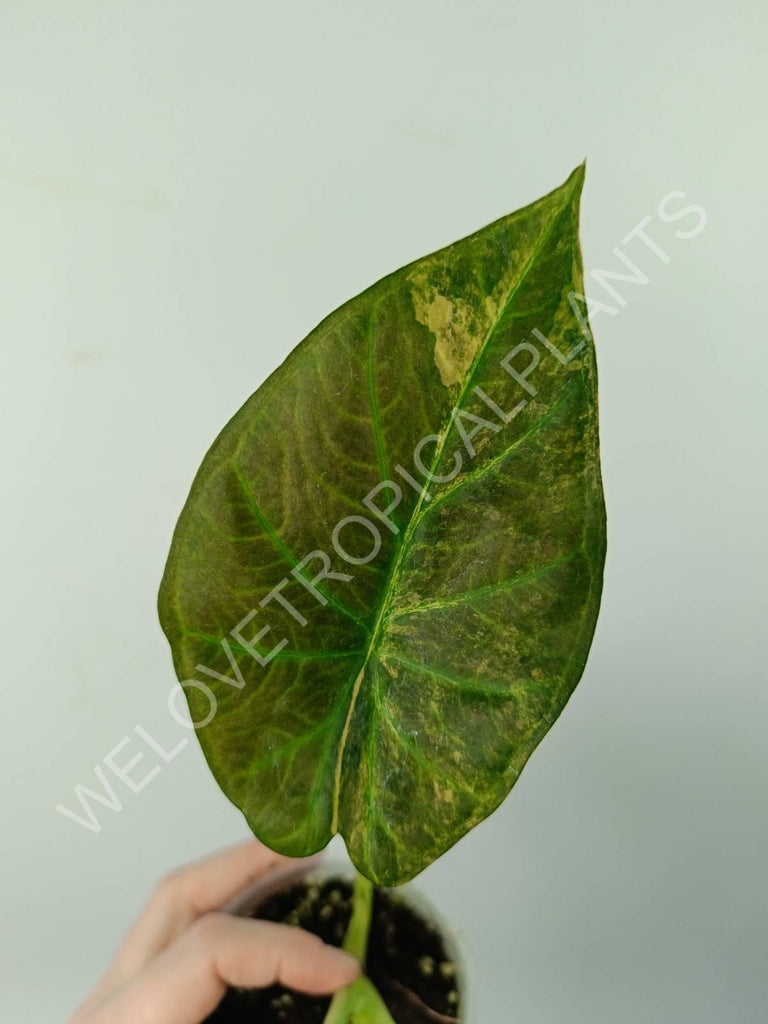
321	869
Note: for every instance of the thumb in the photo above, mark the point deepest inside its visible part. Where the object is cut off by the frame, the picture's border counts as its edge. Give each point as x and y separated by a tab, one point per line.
187	980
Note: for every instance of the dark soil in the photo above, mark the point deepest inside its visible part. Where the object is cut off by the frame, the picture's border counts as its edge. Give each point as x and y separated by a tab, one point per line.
407	960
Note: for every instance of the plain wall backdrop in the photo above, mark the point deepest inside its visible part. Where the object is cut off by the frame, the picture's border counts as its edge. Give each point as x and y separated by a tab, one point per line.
186	189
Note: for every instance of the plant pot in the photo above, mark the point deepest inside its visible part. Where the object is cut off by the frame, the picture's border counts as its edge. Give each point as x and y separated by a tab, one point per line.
414	959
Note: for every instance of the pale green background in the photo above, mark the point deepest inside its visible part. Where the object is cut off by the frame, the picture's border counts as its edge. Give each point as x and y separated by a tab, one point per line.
186	188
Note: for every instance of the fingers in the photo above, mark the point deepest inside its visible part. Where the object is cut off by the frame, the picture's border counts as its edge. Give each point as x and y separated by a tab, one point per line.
186	982
185	894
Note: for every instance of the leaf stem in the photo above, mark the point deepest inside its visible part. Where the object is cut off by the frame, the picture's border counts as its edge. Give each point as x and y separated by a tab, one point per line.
360	1003
359	928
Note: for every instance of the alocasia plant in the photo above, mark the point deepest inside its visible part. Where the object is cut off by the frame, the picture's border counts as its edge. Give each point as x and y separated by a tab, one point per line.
384	584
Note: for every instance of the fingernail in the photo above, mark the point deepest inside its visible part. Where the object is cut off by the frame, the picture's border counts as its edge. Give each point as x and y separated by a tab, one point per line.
345	961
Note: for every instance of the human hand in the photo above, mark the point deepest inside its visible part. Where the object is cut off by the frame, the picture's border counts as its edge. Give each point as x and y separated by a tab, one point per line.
181	954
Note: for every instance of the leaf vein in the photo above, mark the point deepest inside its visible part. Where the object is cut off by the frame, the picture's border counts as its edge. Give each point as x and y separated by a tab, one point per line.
489	591
470	478
286	552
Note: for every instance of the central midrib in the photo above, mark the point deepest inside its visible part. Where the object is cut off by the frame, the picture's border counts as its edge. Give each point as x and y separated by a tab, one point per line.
390	586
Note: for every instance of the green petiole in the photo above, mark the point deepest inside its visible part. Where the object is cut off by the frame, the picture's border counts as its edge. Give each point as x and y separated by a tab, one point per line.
360	1003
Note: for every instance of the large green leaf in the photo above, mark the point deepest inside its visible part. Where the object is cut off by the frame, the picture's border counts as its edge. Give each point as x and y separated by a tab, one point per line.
407	692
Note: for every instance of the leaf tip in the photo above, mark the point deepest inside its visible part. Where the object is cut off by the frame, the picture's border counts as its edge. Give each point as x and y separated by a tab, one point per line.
576	177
